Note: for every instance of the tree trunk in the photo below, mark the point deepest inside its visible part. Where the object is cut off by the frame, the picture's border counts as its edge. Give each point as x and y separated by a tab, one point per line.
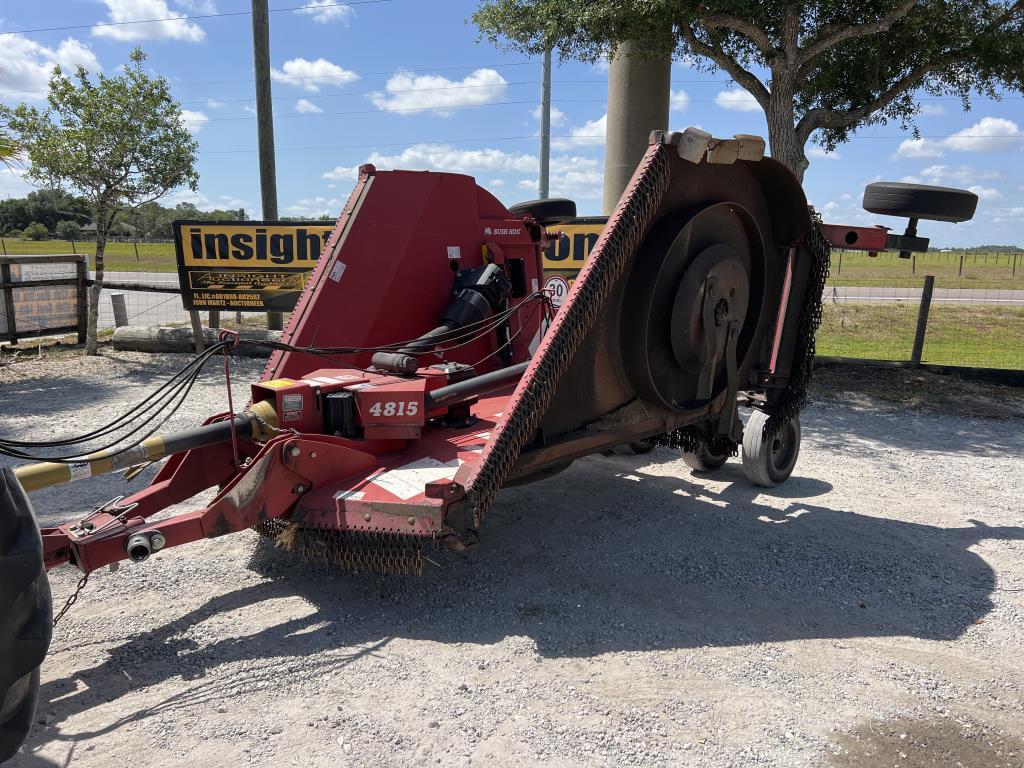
91	341
785	145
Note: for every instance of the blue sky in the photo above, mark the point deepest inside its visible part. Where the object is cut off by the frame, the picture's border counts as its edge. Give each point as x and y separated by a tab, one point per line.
407	84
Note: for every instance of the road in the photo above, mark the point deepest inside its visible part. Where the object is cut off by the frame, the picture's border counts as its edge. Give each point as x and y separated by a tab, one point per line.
162	308
993	296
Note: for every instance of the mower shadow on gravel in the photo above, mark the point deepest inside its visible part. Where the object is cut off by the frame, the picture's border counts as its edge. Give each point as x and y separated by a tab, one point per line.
638	562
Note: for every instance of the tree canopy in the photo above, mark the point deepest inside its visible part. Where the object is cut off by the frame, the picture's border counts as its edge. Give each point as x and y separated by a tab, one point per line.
818	69
116	140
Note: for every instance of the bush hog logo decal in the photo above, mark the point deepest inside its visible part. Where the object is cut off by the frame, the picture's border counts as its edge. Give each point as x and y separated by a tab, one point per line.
259	266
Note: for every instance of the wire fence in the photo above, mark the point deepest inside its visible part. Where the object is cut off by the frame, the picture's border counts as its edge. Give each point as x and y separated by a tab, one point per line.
972	267
981	328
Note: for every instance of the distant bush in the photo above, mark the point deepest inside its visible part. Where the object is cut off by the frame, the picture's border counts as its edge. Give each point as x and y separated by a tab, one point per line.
68	230
14	234
36	231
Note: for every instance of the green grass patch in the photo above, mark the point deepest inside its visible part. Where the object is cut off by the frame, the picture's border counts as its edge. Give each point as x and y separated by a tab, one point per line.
981	270
981	336
119	257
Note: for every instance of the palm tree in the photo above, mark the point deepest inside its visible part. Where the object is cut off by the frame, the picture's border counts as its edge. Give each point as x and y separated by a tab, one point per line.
9	150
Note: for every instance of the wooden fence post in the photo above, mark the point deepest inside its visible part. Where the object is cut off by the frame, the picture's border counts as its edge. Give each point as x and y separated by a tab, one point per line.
922	318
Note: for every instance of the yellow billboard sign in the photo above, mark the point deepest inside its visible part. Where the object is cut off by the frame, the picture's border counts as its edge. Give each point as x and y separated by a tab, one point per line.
255	266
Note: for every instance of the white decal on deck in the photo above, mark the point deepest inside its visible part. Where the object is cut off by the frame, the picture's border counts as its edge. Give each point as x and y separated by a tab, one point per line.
409	480
337	270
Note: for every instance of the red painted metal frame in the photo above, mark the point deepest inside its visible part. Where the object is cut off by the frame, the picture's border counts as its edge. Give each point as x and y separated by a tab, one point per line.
871	239
374	284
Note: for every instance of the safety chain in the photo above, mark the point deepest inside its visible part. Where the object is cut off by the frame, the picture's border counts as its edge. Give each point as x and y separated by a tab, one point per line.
574	320
71	600
794	396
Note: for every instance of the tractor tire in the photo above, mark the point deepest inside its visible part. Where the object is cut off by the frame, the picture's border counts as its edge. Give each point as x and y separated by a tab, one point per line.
769	462
919	201
26	614
703	459
548	210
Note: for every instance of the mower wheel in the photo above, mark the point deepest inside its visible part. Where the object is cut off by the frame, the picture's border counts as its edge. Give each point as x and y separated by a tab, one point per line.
919	201
642	446
550	209
704	459
770	461
26	614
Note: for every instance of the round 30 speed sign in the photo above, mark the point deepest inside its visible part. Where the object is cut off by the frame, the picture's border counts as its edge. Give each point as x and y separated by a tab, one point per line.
557	288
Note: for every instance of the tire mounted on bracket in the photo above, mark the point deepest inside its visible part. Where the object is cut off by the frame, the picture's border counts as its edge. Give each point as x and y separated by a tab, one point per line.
26	614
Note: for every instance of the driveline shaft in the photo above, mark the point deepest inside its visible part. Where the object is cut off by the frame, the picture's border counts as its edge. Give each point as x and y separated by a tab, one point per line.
248	425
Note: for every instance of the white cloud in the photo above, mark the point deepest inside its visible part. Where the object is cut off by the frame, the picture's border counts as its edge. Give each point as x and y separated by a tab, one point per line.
409	92
310	75
27	65
557	115
12	182
250	109
679	100
990	134
496	183
214	104
580	178
986	193
326	11
443	157
307	107
737	100
1008	214
201	201
315	206
197	6
917	148
590	134
946	175
931	110
135	10
193	121
819	153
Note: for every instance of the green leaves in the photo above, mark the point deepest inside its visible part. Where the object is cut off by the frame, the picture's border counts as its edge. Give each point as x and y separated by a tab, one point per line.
830	66
116	140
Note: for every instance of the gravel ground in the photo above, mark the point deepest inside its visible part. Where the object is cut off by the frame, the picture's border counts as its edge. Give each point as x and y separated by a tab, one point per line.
870	612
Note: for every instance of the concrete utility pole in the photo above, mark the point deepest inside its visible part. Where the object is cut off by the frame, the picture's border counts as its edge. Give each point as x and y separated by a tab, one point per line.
265	123
638	98
545	125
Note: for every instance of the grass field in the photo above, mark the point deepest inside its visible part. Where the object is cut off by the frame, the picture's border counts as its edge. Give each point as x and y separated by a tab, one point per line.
982	336
990	270
120	257
983	270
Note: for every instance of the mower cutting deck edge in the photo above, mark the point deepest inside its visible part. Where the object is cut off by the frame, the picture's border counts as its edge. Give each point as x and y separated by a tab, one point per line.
424	368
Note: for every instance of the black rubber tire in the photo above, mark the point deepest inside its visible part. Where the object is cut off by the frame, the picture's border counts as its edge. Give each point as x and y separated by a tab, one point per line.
26	614
920	201
641	447
703	459
770	462
550	209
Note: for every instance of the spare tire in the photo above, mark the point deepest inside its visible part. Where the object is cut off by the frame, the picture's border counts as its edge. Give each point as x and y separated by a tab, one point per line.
547	210
26	614
920	201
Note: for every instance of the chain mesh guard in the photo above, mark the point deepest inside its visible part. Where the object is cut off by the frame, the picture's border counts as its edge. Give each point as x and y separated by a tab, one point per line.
626	228
356	551
794	396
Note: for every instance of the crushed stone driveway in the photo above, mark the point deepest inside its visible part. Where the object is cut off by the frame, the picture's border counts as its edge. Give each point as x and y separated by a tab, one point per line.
869	612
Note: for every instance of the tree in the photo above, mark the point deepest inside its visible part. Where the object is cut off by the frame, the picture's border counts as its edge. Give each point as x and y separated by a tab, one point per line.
820	69
68	230
36	231
117	140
